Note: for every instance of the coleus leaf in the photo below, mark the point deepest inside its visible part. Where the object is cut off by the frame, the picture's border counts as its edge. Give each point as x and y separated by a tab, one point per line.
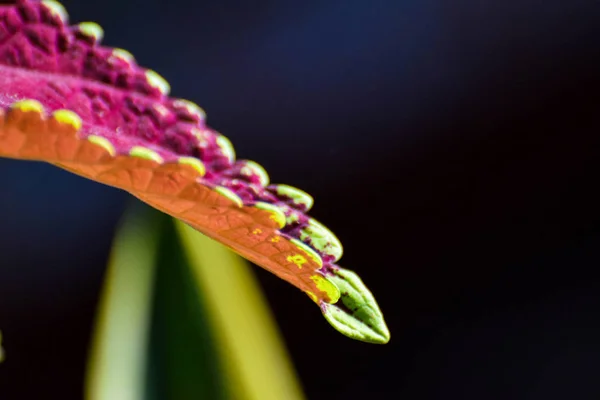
68	100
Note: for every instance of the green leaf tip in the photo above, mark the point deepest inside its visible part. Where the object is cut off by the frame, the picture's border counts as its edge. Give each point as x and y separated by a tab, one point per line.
357	314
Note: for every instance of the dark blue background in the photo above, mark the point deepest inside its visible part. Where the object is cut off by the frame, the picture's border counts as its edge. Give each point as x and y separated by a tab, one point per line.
453	146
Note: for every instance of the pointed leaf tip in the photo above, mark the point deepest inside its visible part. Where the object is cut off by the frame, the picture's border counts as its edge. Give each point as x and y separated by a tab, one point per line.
357	314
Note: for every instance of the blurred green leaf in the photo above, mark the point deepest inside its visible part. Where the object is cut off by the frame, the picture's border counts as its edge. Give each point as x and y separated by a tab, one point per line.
254	356
184	356
117	363
182	317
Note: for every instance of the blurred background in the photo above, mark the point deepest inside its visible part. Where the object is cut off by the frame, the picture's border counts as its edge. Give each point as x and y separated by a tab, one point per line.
451	145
